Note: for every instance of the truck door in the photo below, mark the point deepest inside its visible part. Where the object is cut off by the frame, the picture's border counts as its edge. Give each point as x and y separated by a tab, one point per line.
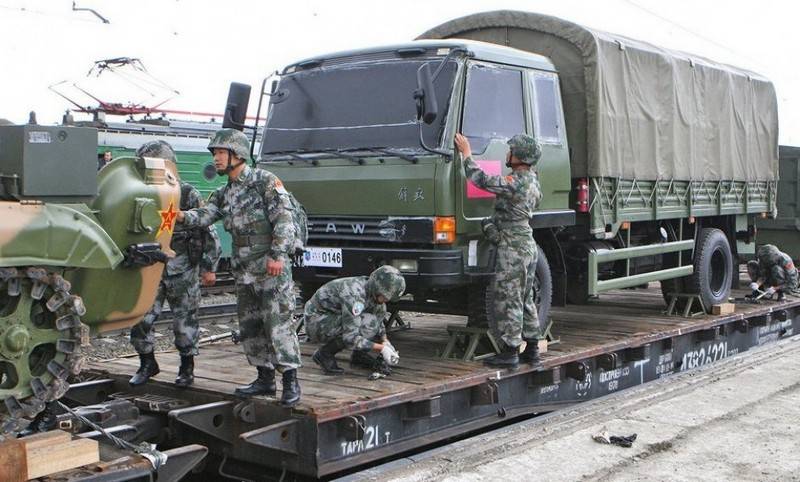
493	111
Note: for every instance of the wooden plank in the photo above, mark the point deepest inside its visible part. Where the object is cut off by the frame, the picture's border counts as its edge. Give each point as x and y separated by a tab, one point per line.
723	309
46	439
50	459
13	461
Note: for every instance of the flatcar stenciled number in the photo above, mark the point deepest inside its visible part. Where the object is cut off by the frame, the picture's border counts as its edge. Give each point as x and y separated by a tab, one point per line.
372	439
706	355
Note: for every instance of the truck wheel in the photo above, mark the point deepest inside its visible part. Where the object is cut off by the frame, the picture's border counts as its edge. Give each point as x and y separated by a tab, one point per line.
713	267
479	295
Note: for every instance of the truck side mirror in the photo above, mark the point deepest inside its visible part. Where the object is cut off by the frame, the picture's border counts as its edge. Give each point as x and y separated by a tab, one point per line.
236	107
427	107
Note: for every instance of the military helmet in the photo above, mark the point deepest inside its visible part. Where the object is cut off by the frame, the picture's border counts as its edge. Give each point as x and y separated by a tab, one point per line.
232	140
387	281
525	148
159	149
765	252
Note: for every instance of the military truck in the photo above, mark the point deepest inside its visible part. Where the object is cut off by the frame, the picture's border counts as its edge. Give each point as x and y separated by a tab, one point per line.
784	229
80	253
655	163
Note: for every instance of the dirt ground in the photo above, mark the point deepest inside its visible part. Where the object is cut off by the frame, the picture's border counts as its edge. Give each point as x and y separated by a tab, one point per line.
738	419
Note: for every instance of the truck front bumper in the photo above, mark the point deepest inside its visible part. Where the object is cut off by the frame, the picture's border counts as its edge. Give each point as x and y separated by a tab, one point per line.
436	268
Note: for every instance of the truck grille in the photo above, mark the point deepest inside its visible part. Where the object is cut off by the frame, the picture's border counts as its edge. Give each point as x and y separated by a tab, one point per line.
359	230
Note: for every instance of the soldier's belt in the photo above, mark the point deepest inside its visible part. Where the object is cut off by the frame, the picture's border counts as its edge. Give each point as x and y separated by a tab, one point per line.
251	240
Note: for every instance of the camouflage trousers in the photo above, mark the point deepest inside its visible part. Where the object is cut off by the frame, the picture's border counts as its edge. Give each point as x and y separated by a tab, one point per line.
324	327
182	291
266	327
513	311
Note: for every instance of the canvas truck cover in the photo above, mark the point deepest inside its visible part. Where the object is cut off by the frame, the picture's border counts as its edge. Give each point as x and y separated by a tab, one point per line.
637	111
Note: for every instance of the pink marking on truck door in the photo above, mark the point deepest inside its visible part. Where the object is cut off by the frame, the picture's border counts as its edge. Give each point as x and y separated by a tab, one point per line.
493	168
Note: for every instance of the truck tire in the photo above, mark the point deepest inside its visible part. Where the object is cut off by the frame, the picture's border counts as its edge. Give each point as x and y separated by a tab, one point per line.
479	298
713	271
713	267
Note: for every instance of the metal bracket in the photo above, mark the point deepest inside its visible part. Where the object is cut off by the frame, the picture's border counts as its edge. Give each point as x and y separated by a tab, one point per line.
710	334
484	394
215	419
545	377
637	353
421	409
578	371
89	393
609	361
473	337
180	461
690	301
281	436
352	428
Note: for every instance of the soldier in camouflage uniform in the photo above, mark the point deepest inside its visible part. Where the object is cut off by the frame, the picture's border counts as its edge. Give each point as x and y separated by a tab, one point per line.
197	253
513	314
255	208
775	270
349	313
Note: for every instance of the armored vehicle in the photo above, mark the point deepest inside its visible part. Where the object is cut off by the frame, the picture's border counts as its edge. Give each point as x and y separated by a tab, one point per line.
655	163
79	254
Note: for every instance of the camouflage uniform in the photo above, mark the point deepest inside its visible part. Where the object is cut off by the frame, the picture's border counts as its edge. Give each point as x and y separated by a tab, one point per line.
346	313
513	310
255	209
776	269
196	251
345	308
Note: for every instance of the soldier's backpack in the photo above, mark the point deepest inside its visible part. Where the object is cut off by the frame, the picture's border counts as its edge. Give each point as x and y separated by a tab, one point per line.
299	221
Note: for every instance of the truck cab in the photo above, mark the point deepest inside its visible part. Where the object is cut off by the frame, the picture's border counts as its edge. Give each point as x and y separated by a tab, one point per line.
381	187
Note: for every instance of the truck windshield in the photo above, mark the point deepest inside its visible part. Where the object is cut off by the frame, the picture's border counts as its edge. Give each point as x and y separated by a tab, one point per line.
353	106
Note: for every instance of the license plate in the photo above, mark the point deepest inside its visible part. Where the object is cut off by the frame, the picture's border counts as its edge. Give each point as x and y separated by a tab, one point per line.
322	257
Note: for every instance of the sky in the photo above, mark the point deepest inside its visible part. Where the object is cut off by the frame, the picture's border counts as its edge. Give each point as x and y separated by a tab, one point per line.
198	47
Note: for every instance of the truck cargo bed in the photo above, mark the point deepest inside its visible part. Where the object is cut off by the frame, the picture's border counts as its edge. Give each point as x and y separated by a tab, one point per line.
344	422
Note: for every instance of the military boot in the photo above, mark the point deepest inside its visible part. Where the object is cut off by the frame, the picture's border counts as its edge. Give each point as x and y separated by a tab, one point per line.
291	388
148	367
780	296
507	358
185	372
325	356
531	353
263	385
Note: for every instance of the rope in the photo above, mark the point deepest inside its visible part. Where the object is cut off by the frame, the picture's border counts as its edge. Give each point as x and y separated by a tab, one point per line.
145	449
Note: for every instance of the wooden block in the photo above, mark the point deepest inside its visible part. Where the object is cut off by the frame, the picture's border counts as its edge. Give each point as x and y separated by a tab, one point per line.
13	461
543	345
723	309
55	458
46	439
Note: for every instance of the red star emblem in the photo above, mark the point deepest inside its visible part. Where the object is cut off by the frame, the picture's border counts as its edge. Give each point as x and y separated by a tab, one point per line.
167	219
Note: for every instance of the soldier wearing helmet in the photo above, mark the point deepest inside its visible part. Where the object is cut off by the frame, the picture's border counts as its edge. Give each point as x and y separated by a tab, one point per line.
513	315
349	313
773	272
255	208
197	253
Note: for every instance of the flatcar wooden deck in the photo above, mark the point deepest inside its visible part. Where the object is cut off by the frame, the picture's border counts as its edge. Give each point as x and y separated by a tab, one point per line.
618	320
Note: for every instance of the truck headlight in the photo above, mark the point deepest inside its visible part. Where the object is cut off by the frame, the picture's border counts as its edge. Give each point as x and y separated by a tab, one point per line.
405	265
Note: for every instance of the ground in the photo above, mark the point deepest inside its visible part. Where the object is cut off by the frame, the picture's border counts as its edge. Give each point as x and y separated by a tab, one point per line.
734	420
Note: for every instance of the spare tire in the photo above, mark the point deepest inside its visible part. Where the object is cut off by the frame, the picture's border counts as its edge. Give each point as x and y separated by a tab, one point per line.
713	268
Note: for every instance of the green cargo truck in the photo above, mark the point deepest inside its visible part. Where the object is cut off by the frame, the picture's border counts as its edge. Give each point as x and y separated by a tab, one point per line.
655	163
784	229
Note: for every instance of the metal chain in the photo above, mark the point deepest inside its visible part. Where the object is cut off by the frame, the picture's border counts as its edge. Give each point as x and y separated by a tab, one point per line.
145	449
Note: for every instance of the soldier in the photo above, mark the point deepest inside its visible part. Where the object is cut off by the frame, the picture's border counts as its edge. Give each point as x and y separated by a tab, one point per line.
513	313
349	313
256	210
775	270
197	253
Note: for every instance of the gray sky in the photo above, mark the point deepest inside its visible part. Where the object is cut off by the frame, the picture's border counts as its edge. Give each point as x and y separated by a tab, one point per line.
199	47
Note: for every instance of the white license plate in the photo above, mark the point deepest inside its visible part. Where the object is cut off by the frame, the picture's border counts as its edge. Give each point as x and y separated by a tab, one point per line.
322	257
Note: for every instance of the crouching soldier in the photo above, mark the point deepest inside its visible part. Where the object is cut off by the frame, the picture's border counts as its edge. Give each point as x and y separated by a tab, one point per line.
349	313
773	272
197	253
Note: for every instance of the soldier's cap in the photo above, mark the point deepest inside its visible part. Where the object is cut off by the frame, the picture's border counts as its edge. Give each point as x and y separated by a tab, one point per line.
232	140
159	149
387	281
525	148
